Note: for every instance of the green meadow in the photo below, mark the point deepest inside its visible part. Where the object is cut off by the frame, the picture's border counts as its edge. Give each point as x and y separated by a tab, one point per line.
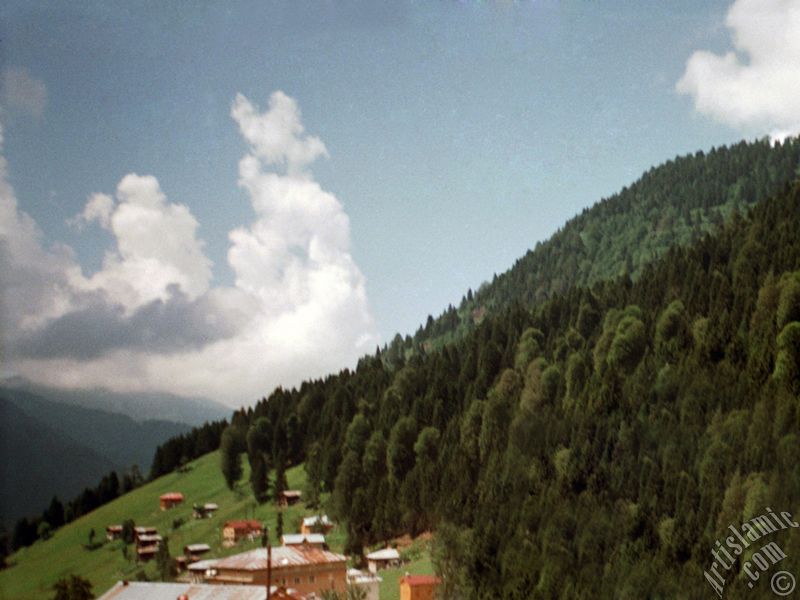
34	570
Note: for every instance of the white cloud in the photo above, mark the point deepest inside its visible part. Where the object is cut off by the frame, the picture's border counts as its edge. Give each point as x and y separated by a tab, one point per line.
98	209
157	245
20	90
277	136
37	282
756	86
298	307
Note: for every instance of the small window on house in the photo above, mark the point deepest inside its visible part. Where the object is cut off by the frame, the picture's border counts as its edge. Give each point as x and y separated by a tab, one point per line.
310	579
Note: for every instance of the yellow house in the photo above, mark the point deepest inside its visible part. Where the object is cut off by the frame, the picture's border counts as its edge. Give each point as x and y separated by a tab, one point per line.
418	587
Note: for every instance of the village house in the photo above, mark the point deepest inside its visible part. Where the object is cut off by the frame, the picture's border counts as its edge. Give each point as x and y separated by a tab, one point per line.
233	531
113	532
193	552
306	569
170	500
289	497
296	539
204	511
140	531
383	559
418	587
148	540
316	524
200	569
368	582
145	553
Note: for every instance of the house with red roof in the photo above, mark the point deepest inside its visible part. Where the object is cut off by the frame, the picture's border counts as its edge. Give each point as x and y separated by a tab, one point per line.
418	587
170	500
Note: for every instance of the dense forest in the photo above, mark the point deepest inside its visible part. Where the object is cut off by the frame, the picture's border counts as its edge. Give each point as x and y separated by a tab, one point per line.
595	446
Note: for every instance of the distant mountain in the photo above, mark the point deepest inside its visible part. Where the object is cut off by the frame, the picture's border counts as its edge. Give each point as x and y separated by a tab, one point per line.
121	439
140	407
40	461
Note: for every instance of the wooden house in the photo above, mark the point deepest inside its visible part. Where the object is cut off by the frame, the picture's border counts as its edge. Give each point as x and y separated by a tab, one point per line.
289	497
233	531
418	587
383	559
193	552
170	500
316	524
204	511
113	532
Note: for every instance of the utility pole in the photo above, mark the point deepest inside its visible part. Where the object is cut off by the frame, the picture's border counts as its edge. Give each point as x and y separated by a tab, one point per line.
265	543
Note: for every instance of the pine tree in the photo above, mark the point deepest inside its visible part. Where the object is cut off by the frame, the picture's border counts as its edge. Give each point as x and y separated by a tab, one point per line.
231	458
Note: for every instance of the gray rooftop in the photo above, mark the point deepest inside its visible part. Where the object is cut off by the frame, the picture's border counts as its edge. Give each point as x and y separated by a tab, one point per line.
139	590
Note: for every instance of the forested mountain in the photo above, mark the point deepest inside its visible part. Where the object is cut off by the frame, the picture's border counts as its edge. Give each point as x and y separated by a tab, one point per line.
39	462
589	436
672	204
595	446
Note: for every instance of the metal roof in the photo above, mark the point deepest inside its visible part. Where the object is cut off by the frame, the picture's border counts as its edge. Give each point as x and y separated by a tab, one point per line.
202	565
145	539
139	590
311	521
282	556
242	524
292	539
385	554
197	547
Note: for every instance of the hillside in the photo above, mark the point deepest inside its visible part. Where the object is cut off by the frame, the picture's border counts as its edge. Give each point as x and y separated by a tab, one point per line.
600	442
672	204
34	460
36	568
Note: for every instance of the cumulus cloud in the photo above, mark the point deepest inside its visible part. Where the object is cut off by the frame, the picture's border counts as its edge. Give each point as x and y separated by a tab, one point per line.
150	318
38	283
756	86
277	136
157	245
22	91
98	209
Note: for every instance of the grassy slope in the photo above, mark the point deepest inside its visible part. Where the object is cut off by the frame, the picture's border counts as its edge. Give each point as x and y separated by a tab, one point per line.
390	586
36	568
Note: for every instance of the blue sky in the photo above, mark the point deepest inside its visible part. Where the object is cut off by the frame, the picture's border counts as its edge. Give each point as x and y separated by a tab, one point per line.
456	136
